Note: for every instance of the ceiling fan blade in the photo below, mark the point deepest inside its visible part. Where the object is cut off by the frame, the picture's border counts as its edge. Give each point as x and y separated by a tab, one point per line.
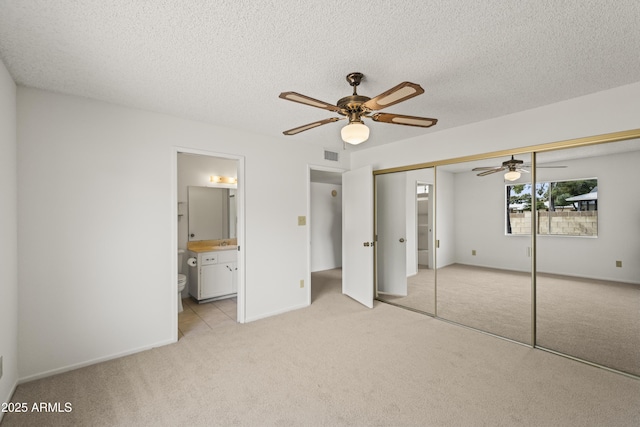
303	99
396	94
528	165
486	168
310	126
398	119
490	171
522	170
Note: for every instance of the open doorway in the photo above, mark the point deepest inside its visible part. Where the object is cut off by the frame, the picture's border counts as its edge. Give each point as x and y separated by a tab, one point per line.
209	233
324	231
424	225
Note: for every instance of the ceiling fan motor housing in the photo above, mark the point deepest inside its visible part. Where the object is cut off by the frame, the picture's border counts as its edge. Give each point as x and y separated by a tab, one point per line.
513	162
351	106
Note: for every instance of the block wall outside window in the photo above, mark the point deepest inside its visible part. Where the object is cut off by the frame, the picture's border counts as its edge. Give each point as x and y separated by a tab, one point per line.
572	223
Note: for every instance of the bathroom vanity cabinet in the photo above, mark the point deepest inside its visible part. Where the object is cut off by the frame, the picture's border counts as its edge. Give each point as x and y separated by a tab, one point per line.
215	275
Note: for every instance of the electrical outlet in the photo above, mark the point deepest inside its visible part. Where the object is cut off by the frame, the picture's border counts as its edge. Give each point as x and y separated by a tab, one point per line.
302	283
618	263
302	220
473	252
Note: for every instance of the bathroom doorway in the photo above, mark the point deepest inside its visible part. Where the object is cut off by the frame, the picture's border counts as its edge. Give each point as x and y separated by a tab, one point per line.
209	195
324	230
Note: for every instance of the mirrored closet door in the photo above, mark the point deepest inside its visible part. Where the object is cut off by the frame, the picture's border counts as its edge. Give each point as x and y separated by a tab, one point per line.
483	231
588	257
541	247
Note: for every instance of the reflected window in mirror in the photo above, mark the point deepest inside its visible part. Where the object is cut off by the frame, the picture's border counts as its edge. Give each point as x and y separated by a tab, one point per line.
564	208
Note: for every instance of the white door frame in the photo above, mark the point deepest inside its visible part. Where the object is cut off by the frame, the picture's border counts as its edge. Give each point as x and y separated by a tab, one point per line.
240	200
311	167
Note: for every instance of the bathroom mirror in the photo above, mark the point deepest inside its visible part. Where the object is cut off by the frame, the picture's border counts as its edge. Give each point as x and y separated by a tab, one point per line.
212	213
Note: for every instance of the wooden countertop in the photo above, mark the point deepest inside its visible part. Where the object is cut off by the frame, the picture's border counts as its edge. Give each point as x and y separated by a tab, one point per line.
203	248
212	245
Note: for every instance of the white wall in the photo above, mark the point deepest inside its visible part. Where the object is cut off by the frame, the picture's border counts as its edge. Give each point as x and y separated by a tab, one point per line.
326	226
445	226
97	222
9	240
603	112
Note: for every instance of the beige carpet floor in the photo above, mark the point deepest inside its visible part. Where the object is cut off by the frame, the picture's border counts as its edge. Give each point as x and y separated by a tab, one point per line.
420	292
337	363
594	320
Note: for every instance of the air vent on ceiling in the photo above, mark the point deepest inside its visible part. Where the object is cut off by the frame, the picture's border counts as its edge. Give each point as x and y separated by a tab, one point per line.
330	155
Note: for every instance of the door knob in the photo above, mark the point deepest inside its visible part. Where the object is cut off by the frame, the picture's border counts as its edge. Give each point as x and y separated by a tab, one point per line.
402	240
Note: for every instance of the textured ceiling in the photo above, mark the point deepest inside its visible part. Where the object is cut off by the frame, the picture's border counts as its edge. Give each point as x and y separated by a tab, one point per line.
226	61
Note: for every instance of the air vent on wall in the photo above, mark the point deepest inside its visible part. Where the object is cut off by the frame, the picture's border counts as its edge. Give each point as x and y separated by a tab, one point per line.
330	155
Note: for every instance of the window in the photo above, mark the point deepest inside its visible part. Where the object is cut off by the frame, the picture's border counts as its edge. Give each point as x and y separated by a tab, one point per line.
563	208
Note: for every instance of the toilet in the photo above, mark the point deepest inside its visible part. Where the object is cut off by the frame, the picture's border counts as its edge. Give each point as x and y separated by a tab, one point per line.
182	280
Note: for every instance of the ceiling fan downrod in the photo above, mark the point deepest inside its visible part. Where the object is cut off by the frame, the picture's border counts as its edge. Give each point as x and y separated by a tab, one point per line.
354	80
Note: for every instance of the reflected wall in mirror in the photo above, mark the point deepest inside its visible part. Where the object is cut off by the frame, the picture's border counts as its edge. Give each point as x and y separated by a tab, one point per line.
404	231
587	283
211	213
483	273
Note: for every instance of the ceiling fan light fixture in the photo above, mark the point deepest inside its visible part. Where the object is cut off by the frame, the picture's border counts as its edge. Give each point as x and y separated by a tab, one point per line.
512	175
355	133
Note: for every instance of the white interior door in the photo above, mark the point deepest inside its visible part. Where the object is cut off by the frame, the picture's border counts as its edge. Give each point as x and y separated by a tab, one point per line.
391	228
357	235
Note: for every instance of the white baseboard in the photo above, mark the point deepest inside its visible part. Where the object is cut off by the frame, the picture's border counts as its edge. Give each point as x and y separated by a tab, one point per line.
566	274
275	313
92	362
9	397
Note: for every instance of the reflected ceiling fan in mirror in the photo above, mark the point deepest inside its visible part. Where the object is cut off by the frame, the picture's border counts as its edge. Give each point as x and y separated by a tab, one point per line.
514	168
357	107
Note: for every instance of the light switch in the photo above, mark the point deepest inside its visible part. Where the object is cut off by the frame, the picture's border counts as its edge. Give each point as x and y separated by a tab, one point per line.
302	220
